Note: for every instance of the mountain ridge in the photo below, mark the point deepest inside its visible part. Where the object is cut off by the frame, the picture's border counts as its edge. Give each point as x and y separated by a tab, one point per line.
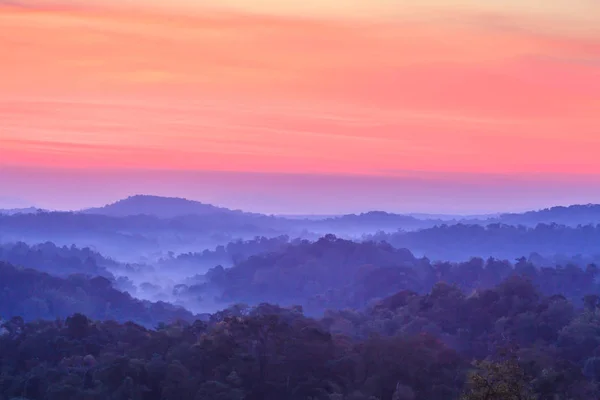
159	206
178	207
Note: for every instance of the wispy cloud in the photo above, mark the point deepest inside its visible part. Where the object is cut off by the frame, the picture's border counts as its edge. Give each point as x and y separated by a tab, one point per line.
302	88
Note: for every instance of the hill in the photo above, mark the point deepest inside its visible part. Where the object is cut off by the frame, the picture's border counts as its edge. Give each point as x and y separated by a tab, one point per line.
461	241
572	216
60	261
14	211
330	272
35	295
162	207
578	214
131	238
373	221
335	273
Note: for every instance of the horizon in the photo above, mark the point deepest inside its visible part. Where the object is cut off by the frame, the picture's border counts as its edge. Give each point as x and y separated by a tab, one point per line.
302	107
28	205
294	199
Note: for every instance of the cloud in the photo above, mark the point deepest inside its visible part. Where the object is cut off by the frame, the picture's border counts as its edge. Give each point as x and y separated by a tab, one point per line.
292	93
579	61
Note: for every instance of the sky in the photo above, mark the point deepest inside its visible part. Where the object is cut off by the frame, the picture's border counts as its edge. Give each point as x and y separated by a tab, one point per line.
301	106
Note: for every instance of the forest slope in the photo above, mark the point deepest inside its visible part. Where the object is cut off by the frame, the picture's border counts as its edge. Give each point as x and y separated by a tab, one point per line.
36	295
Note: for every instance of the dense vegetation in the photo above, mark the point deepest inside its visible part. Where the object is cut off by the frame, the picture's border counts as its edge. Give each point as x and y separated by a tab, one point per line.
461	241
226	255
407	347
574	215
60	261
503	312
328	273
337	273
131	238
149	227
34	295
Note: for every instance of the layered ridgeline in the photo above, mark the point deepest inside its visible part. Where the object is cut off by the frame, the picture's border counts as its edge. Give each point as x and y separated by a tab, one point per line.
337	273
327	273
546	244
169	207
395	326
134	238
390	323
172	207
574	215
460	241
146	228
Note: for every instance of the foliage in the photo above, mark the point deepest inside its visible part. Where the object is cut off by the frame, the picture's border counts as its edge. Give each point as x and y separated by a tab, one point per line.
460	241
436	346
55	260
337	273
226	255
36	295
503	380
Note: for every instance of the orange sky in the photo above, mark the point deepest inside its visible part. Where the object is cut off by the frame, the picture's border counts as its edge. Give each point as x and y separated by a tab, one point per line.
370	87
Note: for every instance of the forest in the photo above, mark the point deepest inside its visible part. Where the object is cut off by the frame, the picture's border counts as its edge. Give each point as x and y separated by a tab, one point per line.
30	294
460	241
507	342
242	309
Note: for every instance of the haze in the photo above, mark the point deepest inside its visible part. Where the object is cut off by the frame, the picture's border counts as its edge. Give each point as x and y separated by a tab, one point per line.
299	200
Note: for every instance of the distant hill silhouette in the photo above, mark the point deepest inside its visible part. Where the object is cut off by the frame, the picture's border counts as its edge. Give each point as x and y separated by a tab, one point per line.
573	215
172	207
375	220
162	207
579	214
13	211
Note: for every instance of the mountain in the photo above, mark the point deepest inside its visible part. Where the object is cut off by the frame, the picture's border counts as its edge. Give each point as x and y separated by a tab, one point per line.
162	207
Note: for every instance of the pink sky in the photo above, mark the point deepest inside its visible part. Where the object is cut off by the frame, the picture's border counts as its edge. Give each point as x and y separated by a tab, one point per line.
369	88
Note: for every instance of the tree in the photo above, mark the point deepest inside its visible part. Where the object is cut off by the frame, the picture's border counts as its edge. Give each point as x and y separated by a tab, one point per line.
591	302
77	325
504	380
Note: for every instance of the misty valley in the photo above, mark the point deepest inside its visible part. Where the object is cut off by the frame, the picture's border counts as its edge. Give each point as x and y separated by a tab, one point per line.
167	298
299	200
